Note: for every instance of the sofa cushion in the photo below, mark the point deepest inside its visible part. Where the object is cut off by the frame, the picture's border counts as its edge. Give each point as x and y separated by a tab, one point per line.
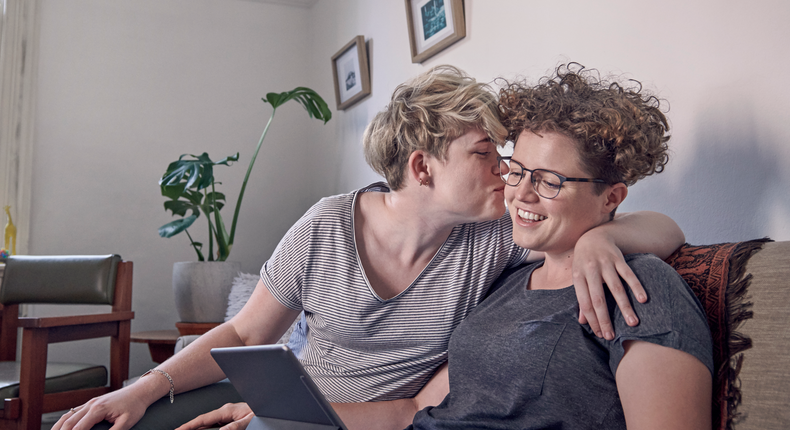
716	274
765	376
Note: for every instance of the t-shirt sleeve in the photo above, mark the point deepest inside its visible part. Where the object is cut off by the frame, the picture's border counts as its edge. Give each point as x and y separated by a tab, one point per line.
283	273
672	317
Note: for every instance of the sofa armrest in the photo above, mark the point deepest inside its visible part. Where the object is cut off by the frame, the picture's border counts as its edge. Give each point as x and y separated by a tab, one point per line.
765	375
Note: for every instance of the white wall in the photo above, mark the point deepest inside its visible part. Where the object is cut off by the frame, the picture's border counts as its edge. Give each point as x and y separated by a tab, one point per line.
721	66
127	86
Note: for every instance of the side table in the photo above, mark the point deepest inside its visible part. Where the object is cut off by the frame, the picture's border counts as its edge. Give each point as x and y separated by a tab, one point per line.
160	343
187	328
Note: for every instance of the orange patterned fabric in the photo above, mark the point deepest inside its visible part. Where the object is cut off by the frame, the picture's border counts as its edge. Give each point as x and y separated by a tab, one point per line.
716	275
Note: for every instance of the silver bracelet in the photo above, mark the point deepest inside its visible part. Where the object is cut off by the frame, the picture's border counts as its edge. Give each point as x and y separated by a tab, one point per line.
172	386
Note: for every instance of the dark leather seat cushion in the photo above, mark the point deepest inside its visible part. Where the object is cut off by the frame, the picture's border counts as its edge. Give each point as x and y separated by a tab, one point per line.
60	377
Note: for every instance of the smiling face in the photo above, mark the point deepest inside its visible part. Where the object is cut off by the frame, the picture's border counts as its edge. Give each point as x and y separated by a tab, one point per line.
553	225
466	183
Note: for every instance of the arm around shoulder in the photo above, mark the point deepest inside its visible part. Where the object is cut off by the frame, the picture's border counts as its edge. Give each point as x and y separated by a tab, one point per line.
645	232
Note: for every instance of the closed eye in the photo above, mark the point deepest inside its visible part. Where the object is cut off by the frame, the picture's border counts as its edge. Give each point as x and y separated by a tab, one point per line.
550	185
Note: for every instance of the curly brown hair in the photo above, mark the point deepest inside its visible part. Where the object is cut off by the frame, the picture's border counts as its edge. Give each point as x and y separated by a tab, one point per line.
427	113
620	131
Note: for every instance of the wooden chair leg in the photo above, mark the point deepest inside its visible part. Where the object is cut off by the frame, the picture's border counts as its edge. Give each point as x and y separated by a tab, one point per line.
119	355
33	370
9	315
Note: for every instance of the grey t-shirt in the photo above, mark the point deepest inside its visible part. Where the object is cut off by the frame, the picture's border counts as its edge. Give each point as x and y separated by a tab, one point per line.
522	361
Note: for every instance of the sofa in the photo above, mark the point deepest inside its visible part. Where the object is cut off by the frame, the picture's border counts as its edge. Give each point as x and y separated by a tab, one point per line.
765	374
745	289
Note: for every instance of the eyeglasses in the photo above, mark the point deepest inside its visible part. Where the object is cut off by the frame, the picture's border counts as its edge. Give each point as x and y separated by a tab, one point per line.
545	182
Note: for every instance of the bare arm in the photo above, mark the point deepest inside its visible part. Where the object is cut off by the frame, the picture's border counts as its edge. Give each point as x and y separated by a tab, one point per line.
394	414
663	388
598	259
262	320
643	231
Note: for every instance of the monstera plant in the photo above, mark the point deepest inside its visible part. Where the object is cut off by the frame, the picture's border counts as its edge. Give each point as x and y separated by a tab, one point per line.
202	287
190	187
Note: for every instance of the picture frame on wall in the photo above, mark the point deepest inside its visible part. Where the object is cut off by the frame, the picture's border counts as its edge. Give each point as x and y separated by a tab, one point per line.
433	26
351	73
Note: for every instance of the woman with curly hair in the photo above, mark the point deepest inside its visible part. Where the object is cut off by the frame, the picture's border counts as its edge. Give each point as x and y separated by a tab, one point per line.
520	360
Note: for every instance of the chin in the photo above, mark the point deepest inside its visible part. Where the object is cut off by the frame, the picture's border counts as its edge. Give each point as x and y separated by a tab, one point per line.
528	241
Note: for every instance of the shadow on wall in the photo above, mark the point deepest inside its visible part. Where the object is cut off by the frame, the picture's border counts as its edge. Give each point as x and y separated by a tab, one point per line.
731	187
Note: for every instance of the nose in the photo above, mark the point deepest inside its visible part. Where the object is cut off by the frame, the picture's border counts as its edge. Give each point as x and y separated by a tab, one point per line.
496	167
525	191
501	168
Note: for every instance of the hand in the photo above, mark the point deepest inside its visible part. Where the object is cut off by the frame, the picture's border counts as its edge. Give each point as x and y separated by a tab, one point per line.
122	408
232	416
597	261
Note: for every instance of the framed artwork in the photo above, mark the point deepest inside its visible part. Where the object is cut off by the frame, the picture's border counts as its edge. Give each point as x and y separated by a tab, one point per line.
433	26
350	69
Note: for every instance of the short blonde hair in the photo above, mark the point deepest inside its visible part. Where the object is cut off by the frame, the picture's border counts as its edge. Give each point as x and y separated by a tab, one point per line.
427	113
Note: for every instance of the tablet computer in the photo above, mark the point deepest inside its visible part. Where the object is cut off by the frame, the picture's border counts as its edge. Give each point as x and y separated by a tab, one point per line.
277	388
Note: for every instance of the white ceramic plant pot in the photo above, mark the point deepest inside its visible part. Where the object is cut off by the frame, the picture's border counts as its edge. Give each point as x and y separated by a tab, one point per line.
201	289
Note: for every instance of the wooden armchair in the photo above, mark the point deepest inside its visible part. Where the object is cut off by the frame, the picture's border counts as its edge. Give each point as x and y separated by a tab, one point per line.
47	387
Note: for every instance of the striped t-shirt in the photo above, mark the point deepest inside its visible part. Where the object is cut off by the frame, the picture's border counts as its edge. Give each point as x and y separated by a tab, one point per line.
362	348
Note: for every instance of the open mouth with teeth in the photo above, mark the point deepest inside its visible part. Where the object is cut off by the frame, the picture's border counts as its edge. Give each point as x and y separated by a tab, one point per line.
529	216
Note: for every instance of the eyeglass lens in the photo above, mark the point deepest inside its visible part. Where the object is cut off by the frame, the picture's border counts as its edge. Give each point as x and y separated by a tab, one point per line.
546	183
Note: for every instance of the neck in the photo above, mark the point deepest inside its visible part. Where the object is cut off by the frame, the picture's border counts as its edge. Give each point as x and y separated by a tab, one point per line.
556	272
402	223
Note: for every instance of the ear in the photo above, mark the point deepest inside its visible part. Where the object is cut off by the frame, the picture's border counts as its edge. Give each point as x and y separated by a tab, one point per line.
614	196
417	168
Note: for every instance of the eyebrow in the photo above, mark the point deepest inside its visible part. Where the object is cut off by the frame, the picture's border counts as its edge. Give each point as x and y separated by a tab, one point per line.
485	140
540	168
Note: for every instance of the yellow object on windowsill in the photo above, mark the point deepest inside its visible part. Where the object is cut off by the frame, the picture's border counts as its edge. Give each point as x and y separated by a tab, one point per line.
9	244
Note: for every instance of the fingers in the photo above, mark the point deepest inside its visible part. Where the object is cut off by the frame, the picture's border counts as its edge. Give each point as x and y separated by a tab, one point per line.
615	285
60	423
231	413
122	423
625	272
75	419
70	418
586	310
239	424
204	421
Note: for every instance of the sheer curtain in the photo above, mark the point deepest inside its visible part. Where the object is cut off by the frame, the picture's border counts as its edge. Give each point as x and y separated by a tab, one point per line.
18	59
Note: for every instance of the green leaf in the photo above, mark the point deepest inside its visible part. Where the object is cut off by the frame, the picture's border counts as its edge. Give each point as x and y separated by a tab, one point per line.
206	178
214	196
274	99
172	191
173	228
180	207
195	197
315	106
227	160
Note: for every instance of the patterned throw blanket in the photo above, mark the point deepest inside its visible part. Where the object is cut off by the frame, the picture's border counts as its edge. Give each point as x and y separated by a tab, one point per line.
716	274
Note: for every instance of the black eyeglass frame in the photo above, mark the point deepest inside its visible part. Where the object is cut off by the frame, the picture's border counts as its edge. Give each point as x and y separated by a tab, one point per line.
563	179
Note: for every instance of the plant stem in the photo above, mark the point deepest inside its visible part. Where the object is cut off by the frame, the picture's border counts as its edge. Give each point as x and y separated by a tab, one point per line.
210	227
192	242
222	247
246	177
